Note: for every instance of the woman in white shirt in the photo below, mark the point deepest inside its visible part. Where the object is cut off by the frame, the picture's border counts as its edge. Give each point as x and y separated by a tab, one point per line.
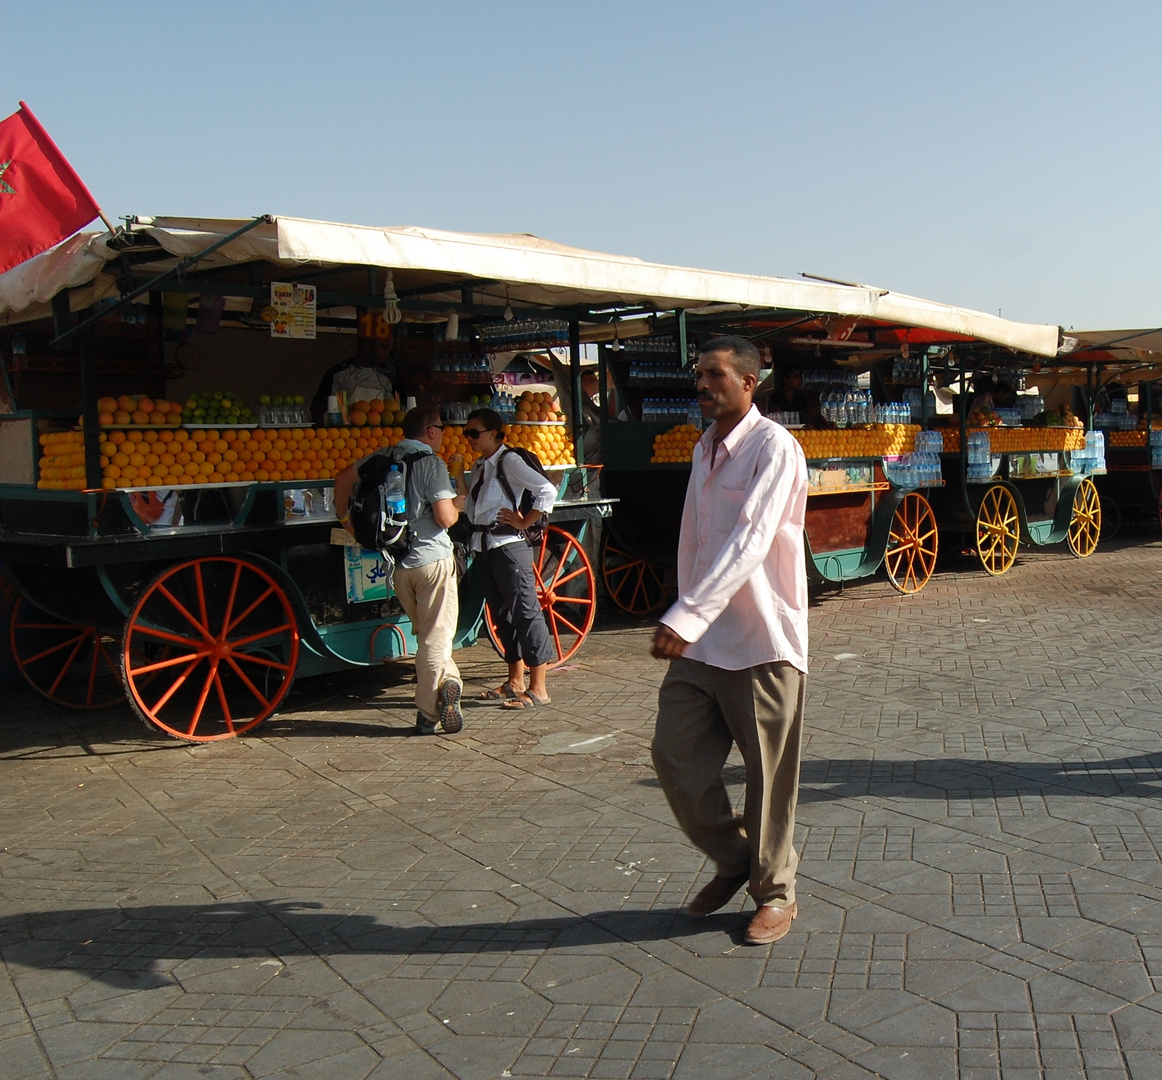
505	557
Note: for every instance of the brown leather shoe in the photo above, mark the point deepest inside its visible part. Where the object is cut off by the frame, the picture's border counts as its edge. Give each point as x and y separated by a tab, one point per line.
716	894
770	923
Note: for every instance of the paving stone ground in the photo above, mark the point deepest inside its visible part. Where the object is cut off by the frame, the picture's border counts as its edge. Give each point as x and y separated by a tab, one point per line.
980	891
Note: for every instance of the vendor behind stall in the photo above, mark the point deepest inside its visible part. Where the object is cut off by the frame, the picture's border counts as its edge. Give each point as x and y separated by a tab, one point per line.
791	397
363	377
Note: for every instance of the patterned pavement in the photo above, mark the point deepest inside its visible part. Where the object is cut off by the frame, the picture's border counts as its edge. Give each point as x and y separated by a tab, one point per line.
980	891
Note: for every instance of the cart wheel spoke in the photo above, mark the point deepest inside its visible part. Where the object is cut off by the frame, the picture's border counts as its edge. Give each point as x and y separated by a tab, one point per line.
233	595
161	665
633	583
75	641
181	609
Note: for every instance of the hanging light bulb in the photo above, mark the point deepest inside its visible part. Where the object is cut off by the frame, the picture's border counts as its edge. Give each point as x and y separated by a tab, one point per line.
452	330
616	346
391	311
507	306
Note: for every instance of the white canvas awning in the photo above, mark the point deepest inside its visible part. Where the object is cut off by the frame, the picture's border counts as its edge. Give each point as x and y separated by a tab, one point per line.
525	269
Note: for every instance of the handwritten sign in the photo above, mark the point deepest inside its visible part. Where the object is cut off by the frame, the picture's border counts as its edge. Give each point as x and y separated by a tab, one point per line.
294	310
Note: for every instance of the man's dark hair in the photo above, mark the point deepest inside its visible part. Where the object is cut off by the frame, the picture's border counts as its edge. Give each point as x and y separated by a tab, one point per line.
419	419
489	420
745	356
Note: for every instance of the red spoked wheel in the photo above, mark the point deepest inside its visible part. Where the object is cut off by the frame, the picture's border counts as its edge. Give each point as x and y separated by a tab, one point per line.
634	584
567	591
210	649
913	542
71	665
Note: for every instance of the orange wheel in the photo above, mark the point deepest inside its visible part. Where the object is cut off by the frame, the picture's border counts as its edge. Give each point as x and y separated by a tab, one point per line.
567	591
997	530
634	584
910	557
71	665
210	649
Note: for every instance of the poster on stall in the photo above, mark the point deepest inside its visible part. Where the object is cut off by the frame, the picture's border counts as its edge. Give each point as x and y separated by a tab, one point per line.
368	575
294	310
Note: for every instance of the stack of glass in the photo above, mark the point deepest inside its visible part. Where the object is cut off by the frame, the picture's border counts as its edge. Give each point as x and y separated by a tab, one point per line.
1156	449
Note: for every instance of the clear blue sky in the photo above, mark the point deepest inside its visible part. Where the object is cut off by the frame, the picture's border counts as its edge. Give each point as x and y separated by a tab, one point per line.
994	155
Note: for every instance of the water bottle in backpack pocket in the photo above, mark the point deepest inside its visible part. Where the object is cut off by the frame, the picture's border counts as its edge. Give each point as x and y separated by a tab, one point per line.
379	504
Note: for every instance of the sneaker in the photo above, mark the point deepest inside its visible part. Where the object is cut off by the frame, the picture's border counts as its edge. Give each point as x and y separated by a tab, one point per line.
451	718
424	726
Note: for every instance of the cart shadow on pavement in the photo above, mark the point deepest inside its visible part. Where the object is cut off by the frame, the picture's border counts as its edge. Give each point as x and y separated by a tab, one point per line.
143	948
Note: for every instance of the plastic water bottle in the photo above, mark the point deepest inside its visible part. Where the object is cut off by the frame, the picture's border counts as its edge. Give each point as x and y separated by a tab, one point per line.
395	493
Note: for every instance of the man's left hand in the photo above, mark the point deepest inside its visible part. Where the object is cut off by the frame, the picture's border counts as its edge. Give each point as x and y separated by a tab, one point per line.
666	644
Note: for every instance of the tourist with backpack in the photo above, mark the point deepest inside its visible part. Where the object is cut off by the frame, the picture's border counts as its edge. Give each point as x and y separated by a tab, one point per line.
508	502
425	569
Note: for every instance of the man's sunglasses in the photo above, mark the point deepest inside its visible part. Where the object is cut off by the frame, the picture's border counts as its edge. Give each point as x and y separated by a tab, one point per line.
473	433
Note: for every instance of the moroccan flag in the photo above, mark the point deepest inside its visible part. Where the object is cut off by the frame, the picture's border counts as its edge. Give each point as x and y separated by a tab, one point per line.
42	200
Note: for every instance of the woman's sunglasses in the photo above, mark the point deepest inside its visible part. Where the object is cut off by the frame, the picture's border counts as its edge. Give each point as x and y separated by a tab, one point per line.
473	433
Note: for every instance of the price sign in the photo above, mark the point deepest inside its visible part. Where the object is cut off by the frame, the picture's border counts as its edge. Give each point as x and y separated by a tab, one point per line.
374	325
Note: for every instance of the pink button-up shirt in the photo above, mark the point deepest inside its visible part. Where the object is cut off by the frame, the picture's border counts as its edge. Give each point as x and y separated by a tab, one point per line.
742	576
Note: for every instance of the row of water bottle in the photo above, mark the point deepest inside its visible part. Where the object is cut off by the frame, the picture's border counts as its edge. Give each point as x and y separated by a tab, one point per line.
1156	449
1093	457
847	407
918	469
658	373
671	411
503	403
978	459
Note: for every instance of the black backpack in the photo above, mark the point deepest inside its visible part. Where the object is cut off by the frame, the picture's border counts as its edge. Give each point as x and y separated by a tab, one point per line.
371	524
534	532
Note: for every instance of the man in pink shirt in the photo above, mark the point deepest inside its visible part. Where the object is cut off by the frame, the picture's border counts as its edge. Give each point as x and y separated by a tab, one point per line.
736	640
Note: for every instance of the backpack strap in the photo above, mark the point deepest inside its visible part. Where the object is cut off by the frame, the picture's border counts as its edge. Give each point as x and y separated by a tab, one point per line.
503	481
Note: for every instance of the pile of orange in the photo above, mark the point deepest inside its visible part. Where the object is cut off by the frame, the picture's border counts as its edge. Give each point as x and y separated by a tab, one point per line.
675	445
538	406
551	444
138	409
1127	438
880	440
62	464
375	413
169	457
1024	440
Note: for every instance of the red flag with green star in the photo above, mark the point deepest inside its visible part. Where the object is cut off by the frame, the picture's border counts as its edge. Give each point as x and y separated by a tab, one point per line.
42	200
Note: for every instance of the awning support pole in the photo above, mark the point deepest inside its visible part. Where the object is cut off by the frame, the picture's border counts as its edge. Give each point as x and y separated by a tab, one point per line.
188	261
578	417
90	425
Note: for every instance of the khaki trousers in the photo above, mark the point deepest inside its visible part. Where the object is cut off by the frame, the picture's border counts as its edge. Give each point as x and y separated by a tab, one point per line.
702	711
429	597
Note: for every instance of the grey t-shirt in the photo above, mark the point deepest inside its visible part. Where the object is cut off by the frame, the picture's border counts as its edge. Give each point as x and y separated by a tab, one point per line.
427	483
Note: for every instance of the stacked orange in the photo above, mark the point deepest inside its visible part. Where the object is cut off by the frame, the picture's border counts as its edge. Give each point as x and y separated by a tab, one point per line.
550	443
1127	438
138	409
1024	440
675	445
169	457
376	413
882	440
537	406
62	464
